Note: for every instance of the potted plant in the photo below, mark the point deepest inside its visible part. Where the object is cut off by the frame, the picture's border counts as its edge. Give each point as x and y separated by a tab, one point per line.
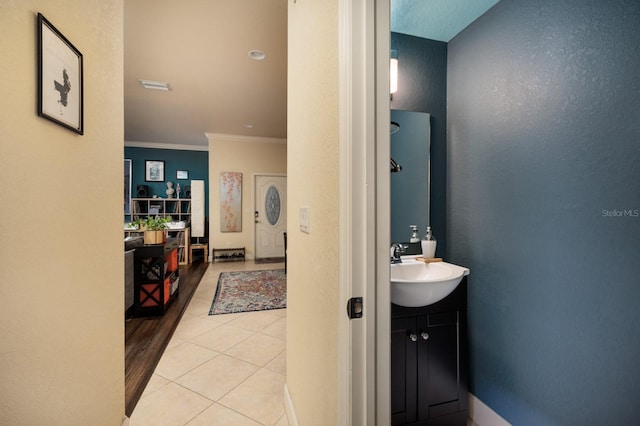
154	229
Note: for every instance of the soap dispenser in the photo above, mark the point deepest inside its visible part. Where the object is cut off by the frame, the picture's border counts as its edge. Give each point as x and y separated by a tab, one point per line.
429	245
414	234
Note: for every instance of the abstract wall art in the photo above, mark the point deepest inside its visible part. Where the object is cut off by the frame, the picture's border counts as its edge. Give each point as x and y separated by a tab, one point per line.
230	202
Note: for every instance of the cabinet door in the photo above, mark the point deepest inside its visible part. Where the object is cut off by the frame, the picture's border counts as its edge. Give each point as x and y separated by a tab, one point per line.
438	365
404	374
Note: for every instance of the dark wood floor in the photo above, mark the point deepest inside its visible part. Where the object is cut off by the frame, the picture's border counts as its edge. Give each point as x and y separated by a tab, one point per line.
146	338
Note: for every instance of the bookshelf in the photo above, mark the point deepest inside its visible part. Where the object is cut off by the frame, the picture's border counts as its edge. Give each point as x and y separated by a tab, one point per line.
178	208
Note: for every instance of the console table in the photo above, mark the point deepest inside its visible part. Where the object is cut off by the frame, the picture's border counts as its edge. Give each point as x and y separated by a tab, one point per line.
156	277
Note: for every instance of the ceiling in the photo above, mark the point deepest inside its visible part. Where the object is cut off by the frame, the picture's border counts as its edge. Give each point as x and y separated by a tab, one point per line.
436	19
201	49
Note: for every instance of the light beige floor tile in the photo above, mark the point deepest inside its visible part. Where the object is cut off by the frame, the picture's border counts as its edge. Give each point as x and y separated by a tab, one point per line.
182	359
277	329
255	321
278	364
201	374
226	318
154	383
217	415
191	326
175	341
222	338
169	406
280	312
284	421
199	307
217	377
259	397
258	349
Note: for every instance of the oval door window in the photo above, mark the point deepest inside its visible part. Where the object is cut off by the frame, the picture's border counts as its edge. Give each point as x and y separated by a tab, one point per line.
272	205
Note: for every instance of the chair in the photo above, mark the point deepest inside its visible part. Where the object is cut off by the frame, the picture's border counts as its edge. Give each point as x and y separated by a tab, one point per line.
285	252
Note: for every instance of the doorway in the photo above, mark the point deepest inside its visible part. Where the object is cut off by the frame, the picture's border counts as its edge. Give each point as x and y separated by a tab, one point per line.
270	215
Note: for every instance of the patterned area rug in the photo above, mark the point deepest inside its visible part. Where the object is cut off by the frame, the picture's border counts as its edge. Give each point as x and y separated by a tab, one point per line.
246	291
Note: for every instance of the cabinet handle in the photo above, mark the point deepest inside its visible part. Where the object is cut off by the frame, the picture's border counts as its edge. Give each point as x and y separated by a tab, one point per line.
413	337
425	336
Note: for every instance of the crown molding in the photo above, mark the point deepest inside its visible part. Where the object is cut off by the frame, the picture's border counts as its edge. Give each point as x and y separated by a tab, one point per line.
160	145
239	138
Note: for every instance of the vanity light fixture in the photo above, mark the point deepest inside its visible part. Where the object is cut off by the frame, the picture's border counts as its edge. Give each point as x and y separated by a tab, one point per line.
155	85
393	72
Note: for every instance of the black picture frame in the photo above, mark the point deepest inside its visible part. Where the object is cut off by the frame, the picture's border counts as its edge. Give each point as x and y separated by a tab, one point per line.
182	174
154	171
60	78
128	169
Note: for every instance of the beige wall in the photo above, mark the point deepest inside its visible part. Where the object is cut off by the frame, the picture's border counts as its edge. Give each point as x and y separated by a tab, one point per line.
228	153
312	279
61	259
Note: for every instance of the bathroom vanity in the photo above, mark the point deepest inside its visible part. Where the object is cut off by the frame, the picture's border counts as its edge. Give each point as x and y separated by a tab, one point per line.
429	366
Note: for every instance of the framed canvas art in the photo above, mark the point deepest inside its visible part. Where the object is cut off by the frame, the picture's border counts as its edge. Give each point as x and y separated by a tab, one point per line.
230	202
60	78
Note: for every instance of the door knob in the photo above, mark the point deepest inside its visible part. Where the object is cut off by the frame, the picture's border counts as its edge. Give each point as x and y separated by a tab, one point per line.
425	336
413	337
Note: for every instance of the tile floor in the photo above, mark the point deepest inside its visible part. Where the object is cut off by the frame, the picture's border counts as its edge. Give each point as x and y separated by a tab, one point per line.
221	369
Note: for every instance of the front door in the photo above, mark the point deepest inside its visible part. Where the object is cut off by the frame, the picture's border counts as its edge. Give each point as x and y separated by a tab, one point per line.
270	215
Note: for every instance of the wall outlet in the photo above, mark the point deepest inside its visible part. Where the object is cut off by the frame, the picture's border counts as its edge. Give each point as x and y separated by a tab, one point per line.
305	222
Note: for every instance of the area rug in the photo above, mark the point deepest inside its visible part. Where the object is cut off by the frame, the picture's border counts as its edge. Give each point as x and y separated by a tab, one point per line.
246	291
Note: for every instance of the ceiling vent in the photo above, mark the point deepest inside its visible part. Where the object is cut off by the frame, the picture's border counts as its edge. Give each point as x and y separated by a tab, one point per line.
155	85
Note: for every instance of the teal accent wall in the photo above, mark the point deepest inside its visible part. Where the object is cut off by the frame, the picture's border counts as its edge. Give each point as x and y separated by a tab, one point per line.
543	207
195	162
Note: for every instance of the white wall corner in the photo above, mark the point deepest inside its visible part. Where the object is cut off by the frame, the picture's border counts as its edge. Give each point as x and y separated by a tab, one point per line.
481	414
125	421
288	407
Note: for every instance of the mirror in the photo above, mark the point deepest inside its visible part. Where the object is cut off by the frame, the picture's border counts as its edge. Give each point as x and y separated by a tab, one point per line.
410	186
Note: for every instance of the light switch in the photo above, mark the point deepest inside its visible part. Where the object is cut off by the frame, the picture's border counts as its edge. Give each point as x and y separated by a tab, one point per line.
305	220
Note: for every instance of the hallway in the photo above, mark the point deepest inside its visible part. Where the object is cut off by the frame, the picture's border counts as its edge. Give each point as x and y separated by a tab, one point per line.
221	369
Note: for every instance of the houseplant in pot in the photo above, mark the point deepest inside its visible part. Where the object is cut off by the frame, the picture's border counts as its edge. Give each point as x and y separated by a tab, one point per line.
154	229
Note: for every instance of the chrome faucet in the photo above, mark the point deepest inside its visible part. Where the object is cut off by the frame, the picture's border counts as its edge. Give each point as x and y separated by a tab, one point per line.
396	252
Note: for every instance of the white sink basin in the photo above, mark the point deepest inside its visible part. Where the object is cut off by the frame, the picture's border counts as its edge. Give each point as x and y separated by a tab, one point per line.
415	283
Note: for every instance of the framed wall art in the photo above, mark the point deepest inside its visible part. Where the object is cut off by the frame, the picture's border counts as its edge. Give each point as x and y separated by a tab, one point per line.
60	78
182	174
154	171
127	186
230	202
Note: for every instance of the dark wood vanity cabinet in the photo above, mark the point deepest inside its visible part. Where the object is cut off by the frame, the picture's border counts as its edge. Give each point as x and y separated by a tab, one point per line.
429	365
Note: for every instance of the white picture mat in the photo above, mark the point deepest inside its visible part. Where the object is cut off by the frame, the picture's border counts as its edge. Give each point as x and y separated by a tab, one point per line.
56	57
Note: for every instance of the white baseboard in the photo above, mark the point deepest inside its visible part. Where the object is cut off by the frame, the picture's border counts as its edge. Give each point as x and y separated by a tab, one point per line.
288	406
481	414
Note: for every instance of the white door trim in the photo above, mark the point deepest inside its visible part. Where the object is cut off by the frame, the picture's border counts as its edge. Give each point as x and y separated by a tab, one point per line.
358	345
383	212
